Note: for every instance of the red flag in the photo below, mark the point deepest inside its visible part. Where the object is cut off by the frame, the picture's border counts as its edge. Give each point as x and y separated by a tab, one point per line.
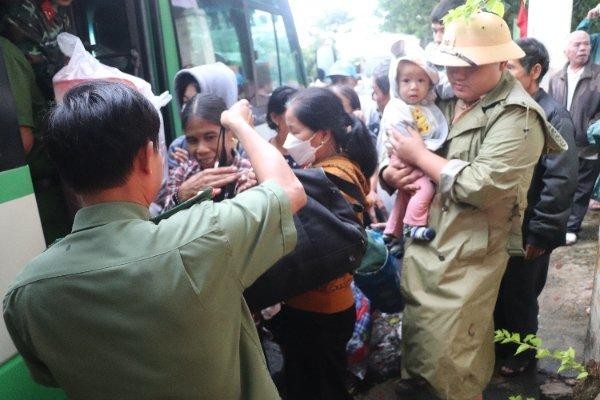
522	19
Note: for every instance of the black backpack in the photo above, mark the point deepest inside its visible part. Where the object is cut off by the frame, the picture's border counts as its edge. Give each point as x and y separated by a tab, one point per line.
331	242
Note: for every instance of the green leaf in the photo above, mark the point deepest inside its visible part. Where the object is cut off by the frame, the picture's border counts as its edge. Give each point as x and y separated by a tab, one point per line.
504	341
582	375
536	341
516	337
496	7
528	338
542	353
522	348
570	353
562	368
558	354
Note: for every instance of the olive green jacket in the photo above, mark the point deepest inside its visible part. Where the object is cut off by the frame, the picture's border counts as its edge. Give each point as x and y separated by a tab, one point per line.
451	283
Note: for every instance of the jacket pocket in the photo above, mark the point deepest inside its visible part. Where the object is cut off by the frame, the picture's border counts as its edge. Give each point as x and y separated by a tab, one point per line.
475	236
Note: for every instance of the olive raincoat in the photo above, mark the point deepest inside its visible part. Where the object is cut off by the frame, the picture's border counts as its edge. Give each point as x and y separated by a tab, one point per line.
451	283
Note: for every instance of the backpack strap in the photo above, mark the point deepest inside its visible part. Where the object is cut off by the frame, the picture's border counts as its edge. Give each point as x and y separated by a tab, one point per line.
349	188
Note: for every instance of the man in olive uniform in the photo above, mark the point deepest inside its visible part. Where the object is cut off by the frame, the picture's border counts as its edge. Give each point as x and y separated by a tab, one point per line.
123	308
30	106
497	133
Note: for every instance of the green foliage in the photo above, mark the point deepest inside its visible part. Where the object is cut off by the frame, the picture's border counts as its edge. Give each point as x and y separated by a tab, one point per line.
309	54
412	16
519	397
566	357
580	10
407	16
472	7
334	20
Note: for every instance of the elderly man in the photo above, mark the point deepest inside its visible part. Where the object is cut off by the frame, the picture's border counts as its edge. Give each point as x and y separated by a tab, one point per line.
483	172
125	308
577	87
585	25
545	223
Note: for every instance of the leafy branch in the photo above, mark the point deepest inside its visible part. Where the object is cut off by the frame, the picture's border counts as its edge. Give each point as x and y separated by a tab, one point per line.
519	397
471	7
532	342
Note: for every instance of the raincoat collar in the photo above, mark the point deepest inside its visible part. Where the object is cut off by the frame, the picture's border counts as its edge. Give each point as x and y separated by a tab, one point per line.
506	93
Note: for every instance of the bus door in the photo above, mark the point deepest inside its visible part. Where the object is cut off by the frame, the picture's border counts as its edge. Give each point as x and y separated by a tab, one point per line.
126	34
256	39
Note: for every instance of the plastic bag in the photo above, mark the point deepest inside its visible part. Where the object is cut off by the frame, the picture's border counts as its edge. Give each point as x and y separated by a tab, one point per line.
83	67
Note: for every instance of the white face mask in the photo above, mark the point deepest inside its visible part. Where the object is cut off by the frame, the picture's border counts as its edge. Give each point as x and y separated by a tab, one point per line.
301	150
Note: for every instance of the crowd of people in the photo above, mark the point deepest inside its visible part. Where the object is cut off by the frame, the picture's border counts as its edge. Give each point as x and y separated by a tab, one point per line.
483	172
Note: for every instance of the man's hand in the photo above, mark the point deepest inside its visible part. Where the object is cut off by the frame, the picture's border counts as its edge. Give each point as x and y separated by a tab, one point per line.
532	252
239	112
401	176
594	12
407	147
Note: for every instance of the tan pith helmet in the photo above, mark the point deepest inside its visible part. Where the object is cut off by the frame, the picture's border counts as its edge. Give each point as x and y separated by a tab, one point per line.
482	39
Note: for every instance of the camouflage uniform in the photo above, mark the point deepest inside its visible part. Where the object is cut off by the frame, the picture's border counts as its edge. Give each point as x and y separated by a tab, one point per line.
34	31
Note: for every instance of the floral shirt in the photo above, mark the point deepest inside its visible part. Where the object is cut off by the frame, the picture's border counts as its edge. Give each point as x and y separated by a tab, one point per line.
185	171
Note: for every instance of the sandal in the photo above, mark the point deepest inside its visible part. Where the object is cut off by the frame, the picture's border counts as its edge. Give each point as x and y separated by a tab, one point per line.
516	365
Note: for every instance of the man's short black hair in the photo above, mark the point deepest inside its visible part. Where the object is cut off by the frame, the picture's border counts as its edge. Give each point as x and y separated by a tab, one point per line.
535	53
94	135
442	9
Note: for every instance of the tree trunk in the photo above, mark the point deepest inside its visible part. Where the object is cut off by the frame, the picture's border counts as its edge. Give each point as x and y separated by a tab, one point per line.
592	341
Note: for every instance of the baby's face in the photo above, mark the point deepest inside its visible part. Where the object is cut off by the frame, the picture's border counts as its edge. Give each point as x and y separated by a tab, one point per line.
413	82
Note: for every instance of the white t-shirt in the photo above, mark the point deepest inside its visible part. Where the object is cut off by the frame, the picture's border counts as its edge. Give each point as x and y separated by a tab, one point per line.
572	79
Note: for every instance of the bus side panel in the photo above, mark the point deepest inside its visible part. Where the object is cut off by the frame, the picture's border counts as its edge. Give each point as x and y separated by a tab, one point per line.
22	239
16	384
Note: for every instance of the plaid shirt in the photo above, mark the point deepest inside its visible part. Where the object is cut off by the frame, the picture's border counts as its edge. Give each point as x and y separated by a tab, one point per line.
185	171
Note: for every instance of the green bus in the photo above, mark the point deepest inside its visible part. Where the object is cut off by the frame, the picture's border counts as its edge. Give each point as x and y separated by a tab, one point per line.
152	39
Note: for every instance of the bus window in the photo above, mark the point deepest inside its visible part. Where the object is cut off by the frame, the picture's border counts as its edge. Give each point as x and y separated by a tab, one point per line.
272	57
272	48
107	29
209	31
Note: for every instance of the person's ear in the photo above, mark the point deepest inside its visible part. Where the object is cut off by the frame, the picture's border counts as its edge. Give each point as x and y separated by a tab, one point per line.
535	72
325	136
503	66
145	157
273	118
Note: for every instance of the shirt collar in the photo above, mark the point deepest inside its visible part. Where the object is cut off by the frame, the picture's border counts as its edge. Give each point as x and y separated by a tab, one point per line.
104	213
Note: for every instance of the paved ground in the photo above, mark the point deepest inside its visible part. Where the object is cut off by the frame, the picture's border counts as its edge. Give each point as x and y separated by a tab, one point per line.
564	308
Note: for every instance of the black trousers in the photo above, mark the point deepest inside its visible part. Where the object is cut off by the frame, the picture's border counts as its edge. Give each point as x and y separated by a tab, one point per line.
314	353
517	305
586	178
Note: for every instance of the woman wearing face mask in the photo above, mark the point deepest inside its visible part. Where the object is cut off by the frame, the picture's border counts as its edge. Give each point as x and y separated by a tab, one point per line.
213	159
316	325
